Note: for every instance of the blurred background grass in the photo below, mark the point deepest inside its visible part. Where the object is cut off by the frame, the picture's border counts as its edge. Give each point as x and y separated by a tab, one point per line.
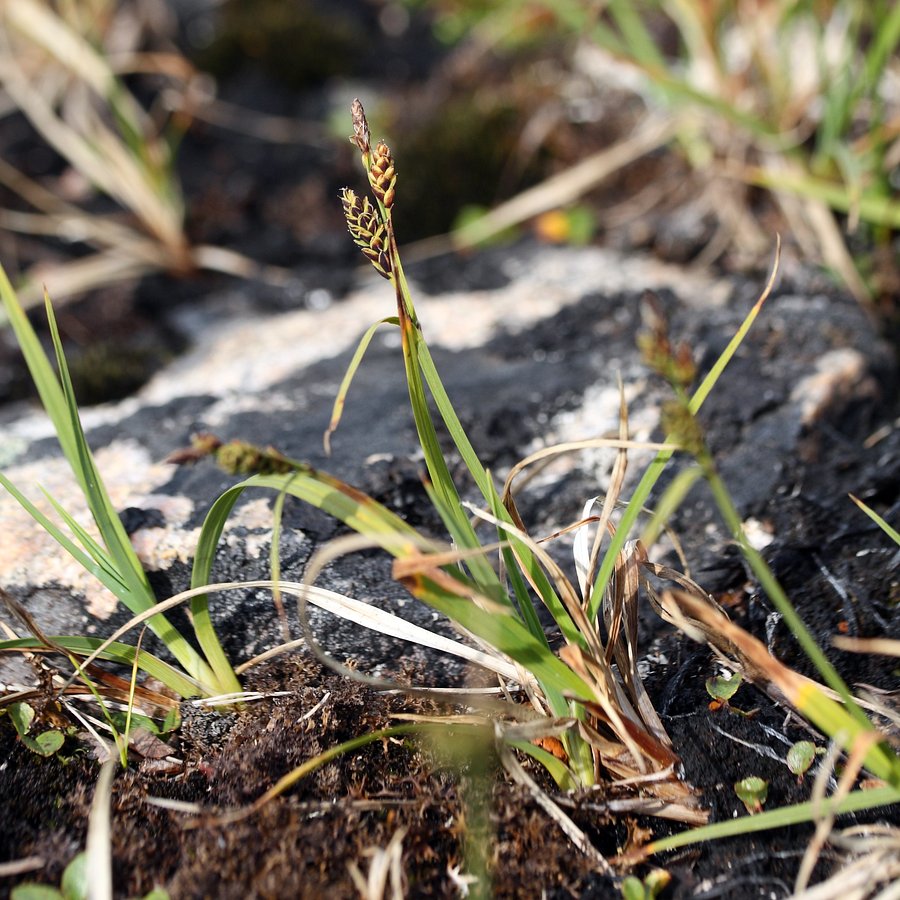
146	136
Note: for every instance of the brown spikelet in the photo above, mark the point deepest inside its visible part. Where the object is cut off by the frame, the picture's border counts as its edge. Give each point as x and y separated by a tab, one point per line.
203	444
360	136
369	233
674	362
382	175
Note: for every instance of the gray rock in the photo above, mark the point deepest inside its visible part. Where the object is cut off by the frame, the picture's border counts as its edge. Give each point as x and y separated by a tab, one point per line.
532	358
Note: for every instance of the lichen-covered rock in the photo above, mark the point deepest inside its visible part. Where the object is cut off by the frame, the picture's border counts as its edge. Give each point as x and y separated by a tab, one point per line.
533	357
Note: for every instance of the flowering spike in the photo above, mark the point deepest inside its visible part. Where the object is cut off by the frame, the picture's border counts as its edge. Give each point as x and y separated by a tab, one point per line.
369	233
382	175
361	136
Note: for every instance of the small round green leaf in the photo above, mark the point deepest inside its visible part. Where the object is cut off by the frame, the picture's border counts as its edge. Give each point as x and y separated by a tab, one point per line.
633	889
22	715
722	688
752	792
74	882
45	744
800	757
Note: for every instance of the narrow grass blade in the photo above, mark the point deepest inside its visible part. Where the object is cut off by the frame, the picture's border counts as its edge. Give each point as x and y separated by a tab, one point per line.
882	646
379	620
95	549
442	485
874	207
174	679
628	40
426	574
210	532
105	574
570	604
892	533
635	35
98	848
520	589
419	363
709	382
567	186
856	801
358	355
451	420
885	38
132	687
672	498
275	563
655	469
42	373
104	513
428	439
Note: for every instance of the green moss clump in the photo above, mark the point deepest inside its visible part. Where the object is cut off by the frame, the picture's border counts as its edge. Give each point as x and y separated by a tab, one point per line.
111	370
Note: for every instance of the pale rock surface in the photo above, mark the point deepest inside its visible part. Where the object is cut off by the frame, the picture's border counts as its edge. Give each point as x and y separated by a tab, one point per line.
532	362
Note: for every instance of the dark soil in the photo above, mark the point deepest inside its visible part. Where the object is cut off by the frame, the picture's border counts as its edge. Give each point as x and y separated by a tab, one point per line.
361	799
301	845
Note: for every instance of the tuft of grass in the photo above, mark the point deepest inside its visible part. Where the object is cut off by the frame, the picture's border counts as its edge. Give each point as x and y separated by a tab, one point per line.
588	718
106	553
56	70
794	97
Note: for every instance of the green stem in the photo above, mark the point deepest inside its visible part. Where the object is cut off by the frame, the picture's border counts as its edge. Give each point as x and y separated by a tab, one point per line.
775	592
857	801
655	469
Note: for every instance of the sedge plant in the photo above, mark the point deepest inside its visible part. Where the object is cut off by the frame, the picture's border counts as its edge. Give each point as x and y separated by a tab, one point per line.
106	553
599	717
588	718
594	720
